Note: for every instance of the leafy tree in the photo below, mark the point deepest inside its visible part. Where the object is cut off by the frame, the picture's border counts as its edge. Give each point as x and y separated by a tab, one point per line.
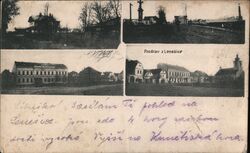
162	15
10	10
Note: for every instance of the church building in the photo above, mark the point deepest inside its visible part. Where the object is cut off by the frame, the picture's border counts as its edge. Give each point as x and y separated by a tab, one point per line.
230	74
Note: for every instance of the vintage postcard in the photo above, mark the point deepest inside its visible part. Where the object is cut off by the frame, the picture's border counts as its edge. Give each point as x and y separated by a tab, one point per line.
115	76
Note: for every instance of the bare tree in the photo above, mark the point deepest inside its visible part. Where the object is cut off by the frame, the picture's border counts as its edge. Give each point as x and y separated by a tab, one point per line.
101	12
85	17
115	7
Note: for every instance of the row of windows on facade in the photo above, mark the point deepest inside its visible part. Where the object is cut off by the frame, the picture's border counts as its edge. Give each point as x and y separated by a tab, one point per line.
27	72
32	80
178	74
170	73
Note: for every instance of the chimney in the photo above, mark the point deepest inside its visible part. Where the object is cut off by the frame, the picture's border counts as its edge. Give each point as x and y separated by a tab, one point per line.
239	11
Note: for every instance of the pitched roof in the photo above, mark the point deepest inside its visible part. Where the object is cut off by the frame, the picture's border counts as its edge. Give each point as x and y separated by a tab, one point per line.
198	74
166	67
130	66
228	71
90	70
32	65
41	17
153	71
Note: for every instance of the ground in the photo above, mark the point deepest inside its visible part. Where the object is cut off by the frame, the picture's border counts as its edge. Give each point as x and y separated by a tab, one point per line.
182	34
175	90
115	89
95	40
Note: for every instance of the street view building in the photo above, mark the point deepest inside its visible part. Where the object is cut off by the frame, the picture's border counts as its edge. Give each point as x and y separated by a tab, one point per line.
134	71
155	76
27	73
175	74
42	23
164	73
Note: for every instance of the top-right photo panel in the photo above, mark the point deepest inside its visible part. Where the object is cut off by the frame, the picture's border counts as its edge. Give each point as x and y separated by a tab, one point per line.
194	22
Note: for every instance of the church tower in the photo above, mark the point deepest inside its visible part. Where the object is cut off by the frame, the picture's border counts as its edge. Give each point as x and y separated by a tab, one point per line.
237	63
140	10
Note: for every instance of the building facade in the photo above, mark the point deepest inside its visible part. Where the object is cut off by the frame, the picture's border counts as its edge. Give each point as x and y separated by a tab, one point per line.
44	24
181	19
164	73
155	76
175	74
27	73
134	71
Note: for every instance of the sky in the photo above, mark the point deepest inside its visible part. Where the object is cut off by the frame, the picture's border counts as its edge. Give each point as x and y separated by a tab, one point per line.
195	9
74	60
65	11
68	11
206	58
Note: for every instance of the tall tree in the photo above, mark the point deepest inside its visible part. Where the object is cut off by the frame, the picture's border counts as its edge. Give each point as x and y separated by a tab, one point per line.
102	12
162	15
85	17
10	10
115	7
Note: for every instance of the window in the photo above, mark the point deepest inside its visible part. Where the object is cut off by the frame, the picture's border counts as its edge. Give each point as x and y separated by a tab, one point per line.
19	72
31	72
19	80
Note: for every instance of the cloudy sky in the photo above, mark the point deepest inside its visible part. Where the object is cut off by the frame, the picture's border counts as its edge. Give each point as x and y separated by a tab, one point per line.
74	60
206	58
195	9
65	11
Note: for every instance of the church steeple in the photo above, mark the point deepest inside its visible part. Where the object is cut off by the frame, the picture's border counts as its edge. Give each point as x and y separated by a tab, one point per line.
237	63
140	10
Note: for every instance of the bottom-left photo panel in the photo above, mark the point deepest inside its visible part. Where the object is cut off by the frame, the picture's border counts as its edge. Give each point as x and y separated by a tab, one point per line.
62	72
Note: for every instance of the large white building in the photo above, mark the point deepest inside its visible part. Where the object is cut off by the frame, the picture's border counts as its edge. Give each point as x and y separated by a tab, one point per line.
27	73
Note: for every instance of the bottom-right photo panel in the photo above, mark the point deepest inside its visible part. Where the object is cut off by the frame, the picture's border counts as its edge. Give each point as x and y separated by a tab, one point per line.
206	71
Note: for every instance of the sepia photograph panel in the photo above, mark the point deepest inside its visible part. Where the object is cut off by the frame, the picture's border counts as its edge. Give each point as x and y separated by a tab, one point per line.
67	73
198	22
61	24
184	73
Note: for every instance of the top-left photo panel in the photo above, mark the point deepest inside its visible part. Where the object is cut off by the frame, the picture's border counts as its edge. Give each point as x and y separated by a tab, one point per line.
60	24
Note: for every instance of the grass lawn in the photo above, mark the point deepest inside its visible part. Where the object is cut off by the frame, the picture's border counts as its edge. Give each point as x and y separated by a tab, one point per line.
170	90
115	89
